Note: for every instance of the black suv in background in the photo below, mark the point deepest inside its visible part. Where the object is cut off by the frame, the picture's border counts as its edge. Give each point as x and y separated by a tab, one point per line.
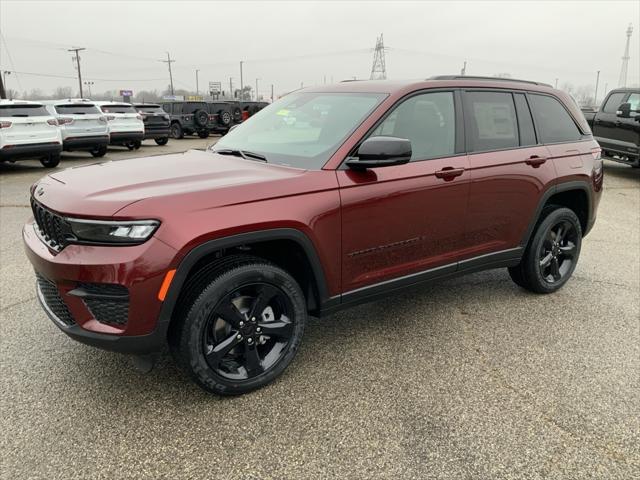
201	118
156	122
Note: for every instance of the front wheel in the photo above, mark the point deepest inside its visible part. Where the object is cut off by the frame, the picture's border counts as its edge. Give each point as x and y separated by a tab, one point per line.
243	329
98	152
552	254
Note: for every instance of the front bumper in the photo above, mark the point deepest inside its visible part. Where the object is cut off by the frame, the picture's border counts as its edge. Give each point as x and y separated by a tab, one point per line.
85	143
118	138
34	150
138	270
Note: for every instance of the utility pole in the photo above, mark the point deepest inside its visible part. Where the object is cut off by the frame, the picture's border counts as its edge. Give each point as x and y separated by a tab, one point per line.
3	94
272	93
241	83
231	87
595	95
169	61
463	72
625	59
257	89
197	86
77	50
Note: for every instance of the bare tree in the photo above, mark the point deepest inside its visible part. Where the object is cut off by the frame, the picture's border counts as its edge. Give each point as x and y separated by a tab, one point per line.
63	92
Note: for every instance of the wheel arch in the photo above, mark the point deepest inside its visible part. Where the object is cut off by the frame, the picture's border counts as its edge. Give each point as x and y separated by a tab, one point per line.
575	195
295	253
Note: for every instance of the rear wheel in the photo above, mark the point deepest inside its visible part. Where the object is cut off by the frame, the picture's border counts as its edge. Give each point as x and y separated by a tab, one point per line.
98	152
243	329
176	131
552	254
51	161
203	134
162	141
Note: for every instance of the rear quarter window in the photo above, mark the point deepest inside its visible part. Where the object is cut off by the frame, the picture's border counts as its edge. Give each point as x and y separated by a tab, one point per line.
553	122
23	111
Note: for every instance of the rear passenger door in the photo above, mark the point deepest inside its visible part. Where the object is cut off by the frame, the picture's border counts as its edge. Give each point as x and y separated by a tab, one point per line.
509	169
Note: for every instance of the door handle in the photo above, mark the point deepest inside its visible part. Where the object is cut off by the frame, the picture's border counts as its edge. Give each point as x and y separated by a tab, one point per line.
535	160
449	173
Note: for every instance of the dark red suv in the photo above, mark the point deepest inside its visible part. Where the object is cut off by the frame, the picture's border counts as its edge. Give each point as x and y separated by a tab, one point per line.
329	197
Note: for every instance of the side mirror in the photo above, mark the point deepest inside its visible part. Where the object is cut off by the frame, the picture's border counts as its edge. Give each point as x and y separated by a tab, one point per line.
381	151
624	110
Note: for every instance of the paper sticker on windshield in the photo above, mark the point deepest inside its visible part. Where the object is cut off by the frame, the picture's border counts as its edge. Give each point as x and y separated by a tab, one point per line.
283	113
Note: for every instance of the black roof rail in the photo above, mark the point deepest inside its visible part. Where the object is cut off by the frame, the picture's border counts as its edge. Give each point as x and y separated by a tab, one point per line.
493	79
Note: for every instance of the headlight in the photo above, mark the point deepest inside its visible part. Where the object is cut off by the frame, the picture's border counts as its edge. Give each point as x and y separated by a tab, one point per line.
121	232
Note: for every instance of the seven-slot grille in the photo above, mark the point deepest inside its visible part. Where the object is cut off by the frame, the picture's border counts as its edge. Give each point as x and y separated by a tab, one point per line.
53	228
54	302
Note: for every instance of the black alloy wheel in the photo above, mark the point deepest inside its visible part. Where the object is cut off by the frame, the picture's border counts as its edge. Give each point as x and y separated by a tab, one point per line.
248	331
558	252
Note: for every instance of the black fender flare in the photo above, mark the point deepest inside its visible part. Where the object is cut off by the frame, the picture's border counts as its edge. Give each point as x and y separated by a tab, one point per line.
200	251
559	188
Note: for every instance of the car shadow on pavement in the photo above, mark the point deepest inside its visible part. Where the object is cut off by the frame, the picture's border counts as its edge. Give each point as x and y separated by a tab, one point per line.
618	170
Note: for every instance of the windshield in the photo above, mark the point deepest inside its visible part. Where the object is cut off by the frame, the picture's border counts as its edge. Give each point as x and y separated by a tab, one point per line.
79	109
22	111
118	109
302	130
150	109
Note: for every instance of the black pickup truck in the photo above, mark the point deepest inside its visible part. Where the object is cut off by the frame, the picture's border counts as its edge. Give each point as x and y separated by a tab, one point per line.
616	125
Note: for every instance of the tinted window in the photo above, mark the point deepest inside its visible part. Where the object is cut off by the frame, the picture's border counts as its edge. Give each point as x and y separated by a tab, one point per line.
23	111
79	109
150	108
634	100
427	120
525	122
553	121
492	121
303	129
118	109
193	107
613	102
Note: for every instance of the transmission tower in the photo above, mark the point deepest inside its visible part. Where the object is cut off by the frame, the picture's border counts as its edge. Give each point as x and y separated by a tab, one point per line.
625	59
379	69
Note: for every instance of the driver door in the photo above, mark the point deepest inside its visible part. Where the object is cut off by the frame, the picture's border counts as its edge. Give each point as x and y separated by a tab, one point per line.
408	219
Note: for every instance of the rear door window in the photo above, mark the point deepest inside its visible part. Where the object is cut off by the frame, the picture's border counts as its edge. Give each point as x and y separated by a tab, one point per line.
79	109
613	102
190	108
492	123
23	111
554	123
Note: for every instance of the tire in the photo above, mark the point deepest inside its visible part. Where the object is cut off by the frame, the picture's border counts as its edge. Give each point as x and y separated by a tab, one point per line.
176	131
247	358
130	145
51	161
98	152
552	253
201	118
225	118
203	134
162	141
137	144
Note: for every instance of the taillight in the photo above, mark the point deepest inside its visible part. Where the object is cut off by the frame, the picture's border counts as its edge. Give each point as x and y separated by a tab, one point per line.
5	124
53	122
65	121
102	119
596	153
111	118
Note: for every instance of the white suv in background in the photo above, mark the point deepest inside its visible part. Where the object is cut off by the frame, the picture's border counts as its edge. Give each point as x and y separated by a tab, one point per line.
125	124
82	124
28	130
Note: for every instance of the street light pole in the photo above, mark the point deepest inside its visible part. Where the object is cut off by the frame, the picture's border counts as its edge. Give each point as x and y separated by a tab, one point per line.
241	83
230	87
272	93
595	96
257	89
197	86
88	84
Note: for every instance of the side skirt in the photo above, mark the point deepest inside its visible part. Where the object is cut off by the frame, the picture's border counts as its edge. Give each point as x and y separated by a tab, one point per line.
505	258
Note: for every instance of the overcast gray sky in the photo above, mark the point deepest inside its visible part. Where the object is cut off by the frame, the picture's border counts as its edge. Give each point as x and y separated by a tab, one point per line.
286	43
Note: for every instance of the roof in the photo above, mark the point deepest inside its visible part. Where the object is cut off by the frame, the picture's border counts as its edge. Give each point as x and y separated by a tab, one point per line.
73	101
18	102
393	86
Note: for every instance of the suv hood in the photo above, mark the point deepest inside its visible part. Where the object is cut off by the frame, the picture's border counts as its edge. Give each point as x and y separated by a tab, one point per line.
103	189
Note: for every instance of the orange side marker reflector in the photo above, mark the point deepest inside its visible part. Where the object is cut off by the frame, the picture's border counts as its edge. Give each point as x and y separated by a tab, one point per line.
164	288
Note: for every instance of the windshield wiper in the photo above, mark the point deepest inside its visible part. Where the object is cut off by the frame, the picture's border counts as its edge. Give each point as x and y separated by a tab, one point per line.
241	153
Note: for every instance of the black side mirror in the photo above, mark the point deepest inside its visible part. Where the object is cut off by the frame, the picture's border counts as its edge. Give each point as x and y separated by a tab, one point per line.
381	151
624	110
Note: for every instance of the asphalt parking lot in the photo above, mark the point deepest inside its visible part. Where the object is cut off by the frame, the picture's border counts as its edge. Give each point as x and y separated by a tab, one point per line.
472	378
